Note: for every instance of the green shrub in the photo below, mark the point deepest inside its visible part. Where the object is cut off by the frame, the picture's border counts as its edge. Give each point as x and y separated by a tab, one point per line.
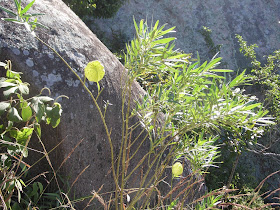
95	8
264	76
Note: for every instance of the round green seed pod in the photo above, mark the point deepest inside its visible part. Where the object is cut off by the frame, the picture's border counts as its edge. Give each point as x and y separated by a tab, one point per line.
94	71
177	169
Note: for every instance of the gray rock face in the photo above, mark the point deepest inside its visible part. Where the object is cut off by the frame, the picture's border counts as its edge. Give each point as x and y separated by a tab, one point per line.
80	119
256	20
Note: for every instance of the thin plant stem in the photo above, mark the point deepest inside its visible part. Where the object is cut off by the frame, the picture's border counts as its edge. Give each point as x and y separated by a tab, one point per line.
233	170
95	103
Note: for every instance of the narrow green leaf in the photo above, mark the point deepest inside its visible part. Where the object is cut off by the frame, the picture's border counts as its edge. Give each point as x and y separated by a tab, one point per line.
156	25
34	15
27	7
135	26
37	128
141	26
18	6
212	64
237	80
220	70
265	121
170	30
40	187
12	20
252	106
41	25
8	11
164	41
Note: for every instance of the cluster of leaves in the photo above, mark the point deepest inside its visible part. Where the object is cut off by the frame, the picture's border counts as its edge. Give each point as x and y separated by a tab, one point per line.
248	198
22	17
193	96
95	8
206	33
266	77
19	119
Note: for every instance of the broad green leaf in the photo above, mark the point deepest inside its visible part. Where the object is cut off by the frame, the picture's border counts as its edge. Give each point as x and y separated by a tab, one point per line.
12	149
4	106
23	88
94	71
1	63
13	115
53	115
23	135
40	187
13	133
16	206
27	7
45	99
38	107
12	74
10	125
7	84
23	150
26	112
10	91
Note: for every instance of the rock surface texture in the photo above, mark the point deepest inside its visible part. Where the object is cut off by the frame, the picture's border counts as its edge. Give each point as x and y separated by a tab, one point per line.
80	120
256	20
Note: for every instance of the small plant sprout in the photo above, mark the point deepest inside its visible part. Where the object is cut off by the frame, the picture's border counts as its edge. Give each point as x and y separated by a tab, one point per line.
177	169
94	72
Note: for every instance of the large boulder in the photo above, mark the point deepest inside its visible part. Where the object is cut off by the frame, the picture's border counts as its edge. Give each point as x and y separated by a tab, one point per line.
256	20
88	160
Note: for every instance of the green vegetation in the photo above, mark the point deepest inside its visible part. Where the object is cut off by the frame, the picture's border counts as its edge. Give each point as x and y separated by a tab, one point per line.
265	77
95	8
20	119
187	111
206	33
